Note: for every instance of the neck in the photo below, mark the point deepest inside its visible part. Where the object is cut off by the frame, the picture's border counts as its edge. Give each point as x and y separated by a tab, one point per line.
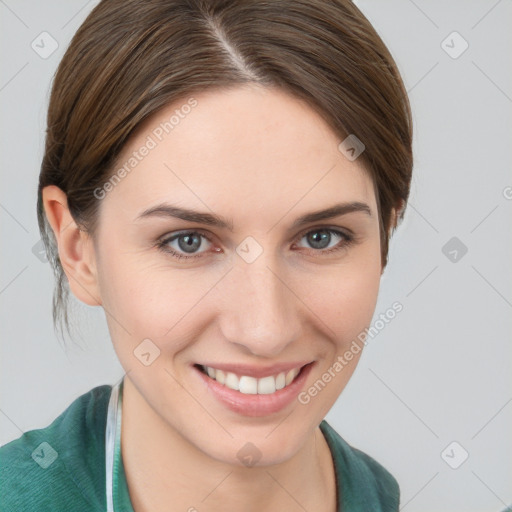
164	470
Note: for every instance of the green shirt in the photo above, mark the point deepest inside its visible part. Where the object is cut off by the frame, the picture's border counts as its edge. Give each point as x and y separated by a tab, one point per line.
61	468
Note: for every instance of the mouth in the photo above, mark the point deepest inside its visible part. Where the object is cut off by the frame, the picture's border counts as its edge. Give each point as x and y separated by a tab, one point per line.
251	396
251	385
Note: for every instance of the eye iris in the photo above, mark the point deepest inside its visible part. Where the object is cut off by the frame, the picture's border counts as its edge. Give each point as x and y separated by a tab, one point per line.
191	244
315	240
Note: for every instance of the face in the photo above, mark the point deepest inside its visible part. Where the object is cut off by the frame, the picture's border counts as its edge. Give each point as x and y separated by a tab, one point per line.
243	286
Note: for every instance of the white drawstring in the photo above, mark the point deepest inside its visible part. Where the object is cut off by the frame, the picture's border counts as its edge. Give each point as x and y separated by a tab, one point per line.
114	411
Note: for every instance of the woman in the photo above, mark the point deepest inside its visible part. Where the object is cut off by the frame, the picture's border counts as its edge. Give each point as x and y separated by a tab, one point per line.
222	178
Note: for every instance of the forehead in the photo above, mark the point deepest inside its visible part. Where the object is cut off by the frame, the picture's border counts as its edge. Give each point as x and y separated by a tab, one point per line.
249	147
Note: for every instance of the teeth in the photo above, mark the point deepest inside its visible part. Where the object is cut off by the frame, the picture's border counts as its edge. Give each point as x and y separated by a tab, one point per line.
220	376
266	385
232	381
291	375
251	385
248	385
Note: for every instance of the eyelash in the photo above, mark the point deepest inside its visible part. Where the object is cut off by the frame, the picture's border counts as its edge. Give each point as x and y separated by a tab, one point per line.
162	244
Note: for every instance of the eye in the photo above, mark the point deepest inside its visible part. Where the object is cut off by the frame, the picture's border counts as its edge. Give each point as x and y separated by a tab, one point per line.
320	239
187	243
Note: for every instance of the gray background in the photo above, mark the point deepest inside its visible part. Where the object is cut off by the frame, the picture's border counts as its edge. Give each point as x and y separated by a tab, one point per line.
440	371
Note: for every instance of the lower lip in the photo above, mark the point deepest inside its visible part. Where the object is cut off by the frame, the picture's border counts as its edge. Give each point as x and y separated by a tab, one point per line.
256	405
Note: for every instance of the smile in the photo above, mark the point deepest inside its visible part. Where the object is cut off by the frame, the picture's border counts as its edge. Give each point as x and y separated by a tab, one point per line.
251	385
254	391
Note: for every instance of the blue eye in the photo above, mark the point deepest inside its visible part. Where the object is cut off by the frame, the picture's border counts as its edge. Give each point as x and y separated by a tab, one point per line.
317	238
190	241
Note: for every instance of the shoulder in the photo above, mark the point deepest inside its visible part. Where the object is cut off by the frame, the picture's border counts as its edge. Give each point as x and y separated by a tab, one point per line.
363	483
61	466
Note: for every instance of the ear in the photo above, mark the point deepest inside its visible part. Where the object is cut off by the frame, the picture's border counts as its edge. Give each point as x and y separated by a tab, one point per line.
76	248
395	213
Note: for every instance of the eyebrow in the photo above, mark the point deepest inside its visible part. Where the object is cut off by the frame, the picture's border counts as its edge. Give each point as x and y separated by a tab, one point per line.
168	210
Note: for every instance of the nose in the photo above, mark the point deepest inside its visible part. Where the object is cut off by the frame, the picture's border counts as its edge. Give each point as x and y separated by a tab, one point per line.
259	310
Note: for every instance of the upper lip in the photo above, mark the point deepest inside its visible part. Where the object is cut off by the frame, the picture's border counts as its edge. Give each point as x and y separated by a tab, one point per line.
257	372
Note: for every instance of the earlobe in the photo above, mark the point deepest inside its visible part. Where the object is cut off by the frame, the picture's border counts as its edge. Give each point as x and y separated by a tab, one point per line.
76	250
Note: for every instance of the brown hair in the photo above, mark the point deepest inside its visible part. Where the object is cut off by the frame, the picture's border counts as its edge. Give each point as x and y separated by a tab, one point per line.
130	58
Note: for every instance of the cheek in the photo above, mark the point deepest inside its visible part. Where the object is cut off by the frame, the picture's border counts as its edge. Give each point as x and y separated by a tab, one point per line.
345	303
145	297
358	300
345	297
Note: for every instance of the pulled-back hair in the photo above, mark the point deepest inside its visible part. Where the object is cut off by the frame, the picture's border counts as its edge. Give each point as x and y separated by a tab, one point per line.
131	58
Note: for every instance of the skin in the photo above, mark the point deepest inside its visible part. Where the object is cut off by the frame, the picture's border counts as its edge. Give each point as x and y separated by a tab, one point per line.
260	158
